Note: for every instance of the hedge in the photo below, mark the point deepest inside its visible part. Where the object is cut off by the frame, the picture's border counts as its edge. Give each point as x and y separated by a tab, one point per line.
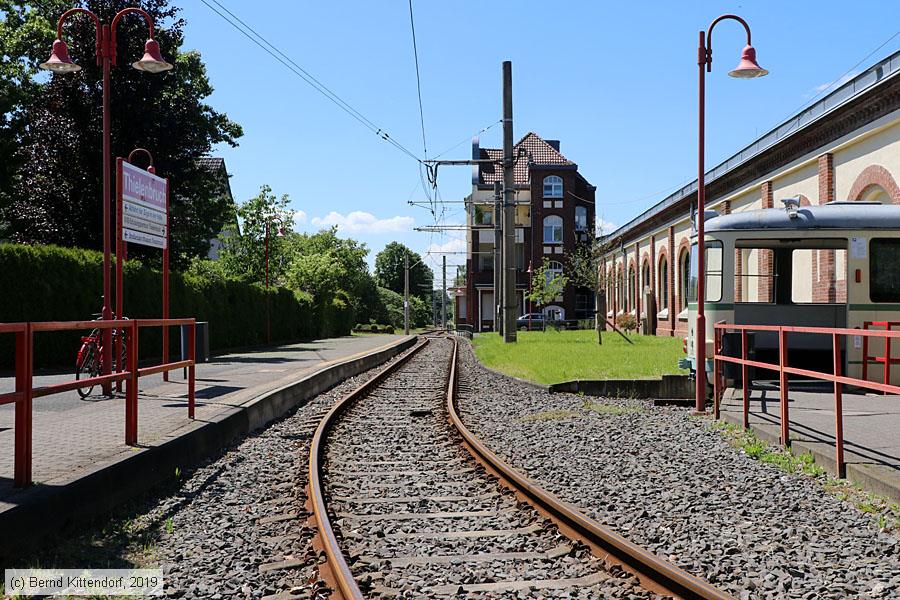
50	283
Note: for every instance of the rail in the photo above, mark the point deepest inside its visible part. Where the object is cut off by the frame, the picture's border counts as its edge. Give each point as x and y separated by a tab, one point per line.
25	392
337	572
655	573
784	369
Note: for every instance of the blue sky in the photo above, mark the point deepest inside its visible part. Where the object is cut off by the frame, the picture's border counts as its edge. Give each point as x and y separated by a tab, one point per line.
615	82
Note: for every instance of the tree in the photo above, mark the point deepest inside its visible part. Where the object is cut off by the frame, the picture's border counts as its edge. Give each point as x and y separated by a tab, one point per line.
350	255
50	132
585	271
389	266
546	284
244	256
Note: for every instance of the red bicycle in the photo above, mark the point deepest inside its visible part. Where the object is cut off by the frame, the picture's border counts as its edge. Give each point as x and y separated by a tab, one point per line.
89	362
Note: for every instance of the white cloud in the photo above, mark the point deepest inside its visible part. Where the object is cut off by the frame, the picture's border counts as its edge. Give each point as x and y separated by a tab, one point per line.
359	221
833	85
604	227
451	246
300	217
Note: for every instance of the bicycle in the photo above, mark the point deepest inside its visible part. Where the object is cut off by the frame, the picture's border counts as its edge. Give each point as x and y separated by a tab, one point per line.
89	361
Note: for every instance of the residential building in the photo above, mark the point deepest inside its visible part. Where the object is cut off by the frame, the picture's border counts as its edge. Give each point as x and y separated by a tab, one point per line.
216	166
554	212
844	146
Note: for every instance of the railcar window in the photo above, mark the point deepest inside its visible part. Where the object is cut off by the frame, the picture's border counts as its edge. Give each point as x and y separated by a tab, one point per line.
754	275
884	270
819	276
713	271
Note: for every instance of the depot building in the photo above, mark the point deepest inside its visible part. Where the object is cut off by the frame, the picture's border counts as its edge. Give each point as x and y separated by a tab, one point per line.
845	146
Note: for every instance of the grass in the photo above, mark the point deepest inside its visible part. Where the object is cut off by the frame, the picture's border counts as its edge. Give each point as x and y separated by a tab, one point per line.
556	356
588	406
885	514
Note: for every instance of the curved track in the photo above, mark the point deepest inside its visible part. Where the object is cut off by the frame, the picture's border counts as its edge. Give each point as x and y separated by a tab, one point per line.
394	494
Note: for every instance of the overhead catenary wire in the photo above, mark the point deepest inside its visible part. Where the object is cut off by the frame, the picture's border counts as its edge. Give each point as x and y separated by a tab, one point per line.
255	37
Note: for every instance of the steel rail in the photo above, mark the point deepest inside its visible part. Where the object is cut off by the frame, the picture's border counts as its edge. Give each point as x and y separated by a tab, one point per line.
660	573
338	573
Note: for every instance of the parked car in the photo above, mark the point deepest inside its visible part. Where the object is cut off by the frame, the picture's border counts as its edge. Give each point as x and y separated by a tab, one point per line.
532	320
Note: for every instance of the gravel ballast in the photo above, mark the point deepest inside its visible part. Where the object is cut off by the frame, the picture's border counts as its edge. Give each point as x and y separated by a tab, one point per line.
664	480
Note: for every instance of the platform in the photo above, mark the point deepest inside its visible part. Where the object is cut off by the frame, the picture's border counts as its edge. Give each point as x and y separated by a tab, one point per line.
80	440
871	429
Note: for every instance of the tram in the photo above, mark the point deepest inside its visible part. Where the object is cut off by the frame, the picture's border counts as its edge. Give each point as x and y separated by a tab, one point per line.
832	265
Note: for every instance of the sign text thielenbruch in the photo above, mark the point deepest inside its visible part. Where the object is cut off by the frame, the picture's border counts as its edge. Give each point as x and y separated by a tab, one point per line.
143	207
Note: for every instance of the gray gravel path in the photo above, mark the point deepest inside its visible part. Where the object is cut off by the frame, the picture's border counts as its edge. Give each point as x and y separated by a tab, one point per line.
659	477
418	518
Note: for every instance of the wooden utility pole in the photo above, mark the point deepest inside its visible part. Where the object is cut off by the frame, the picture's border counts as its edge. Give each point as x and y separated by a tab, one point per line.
498	263
509	212
406	293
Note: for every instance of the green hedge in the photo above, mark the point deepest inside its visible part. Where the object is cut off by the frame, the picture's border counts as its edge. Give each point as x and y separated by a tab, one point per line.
44	283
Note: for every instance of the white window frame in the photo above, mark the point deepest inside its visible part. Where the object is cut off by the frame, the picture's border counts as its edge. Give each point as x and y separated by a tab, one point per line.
555	222
555	185
554	270
581	226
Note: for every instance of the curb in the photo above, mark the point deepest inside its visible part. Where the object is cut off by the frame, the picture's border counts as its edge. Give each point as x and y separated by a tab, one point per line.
44	510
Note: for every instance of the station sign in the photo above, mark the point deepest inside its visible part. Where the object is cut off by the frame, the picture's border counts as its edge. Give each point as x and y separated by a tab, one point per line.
144	215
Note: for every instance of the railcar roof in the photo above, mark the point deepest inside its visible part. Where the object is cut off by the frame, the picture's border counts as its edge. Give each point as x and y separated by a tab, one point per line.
834	215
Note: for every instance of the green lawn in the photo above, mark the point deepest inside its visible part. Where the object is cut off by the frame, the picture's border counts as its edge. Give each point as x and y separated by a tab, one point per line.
552	357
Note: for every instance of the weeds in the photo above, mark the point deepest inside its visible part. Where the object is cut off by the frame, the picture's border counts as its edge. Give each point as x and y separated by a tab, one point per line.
610	409
170	526
885	515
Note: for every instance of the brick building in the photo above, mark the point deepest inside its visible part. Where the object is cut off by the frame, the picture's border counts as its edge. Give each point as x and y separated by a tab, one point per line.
845	146
554	212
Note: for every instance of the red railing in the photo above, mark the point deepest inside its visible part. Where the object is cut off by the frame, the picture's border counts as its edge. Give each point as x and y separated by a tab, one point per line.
25	392
784	370
887	360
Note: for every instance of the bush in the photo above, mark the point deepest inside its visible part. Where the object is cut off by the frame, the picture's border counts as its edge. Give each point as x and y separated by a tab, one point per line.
65	284
627	322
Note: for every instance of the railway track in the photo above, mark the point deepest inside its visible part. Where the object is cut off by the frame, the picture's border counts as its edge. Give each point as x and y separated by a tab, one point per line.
408	503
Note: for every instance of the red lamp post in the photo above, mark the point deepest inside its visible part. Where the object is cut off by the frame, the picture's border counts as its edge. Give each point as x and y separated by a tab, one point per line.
279	234
151	62
747	69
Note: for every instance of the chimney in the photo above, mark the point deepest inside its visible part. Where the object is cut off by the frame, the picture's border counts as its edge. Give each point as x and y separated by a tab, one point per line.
554	144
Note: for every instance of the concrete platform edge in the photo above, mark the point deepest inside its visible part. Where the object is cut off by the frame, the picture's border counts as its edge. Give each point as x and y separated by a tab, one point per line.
48	509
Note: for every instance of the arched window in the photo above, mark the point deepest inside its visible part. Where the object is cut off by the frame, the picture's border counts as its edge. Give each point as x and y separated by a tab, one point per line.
553	187
581	223
553	229
620	280
632	292
554	269
684	271
645	278
663	286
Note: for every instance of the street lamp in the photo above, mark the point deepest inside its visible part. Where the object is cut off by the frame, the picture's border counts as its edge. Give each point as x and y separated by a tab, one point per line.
59	62
747	68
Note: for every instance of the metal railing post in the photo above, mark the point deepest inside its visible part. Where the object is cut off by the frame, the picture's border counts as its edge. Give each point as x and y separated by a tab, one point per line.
865	353
717	367
192	356
22	452
838	407
745	383
887	358
783	387
131	389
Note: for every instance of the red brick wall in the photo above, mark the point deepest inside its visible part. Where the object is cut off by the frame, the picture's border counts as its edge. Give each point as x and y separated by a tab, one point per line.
765	258
824	287
874	175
